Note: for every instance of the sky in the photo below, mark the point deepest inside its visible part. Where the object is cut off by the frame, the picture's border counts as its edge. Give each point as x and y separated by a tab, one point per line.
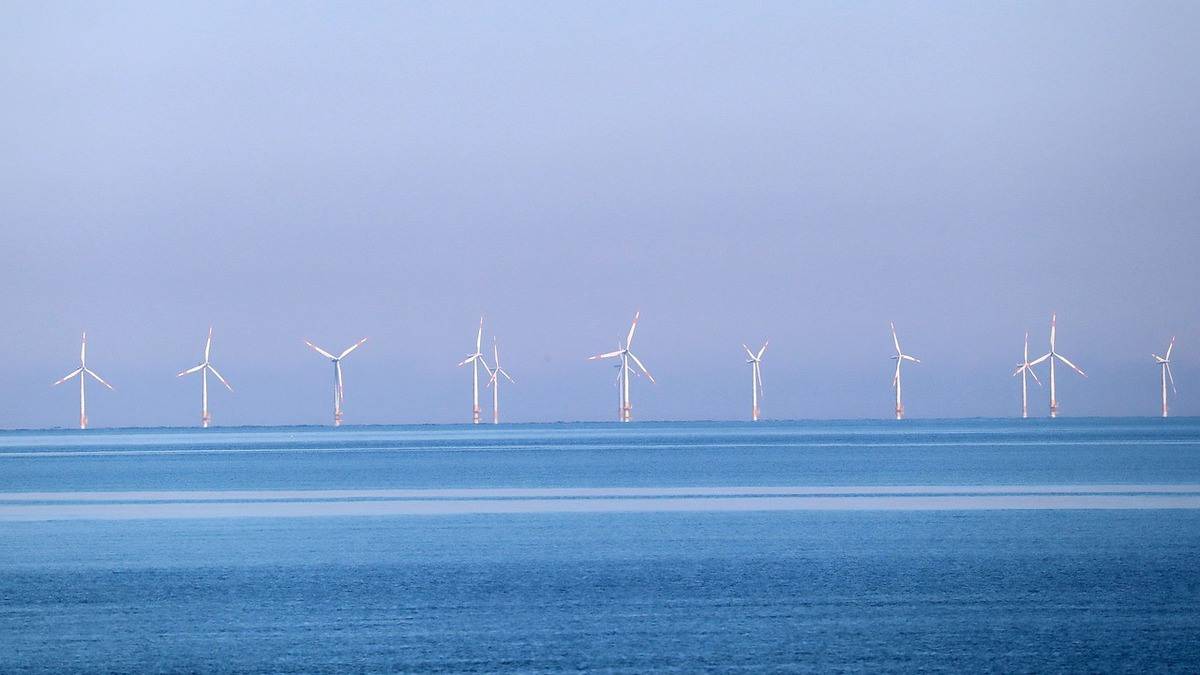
803	172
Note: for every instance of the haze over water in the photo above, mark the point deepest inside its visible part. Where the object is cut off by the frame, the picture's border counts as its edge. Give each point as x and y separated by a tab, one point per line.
960	545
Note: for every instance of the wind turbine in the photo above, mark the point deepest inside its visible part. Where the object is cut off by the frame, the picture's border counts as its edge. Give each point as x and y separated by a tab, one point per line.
475	360
338	390
755	361
205	368
1165	362
1055	355
80	372
899	358
1026	368
494	381
623	375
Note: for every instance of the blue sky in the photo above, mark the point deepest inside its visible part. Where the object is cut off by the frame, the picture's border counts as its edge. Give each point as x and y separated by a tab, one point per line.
799	171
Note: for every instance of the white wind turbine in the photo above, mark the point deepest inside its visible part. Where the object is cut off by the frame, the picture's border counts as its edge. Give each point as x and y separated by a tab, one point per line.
205	368
338	389
1026	368
755	361
1055	355
1165	363
626	356
899	358
80	372
494	381
476	359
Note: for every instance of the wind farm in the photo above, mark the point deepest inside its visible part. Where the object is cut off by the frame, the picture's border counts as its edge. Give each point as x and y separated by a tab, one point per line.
629	366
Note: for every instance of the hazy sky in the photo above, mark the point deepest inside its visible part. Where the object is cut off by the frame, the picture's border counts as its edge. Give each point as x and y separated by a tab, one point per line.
737	171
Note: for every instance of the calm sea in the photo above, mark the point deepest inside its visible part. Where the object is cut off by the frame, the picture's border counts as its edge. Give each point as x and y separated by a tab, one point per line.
962	545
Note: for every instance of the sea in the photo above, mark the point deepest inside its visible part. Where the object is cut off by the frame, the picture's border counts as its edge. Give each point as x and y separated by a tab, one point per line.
1067	545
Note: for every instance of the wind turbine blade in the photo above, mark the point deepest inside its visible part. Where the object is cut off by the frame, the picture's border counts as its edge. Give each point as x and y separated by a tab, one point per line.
632	327
208	345
1039	360
896	377
492	379
1018	370
1072	365
906	357
1035	377
758	376
341	391
73	373
83	349
760	351
320	351
189	371
748	352
1053	329
1170	377
1026	346
607	355
506	375
895	340
479	337
639	365
98	378
468	360
1169	348
214	372
351	348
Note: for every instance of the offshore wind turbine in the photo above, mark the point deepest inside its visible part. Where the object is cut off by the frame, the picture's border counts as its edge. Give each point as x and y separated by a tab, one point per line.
339	392
1026	368
622	351
80	372
1052	354
755	361
899	358
205	368
475	360
494	381
1165	363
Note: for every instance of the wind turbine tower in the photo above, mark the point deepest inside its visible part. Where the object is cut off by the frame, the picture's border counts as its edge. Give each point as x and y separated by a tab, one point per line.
1026	368
81	372
625	412
755	361
494	381
899	358
1052	355
205	368
1165	363
476	359
339	392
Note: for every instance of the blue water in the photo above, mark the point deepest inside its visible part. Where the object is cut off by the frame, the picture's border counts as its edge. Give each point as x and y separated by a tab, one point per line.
1011	589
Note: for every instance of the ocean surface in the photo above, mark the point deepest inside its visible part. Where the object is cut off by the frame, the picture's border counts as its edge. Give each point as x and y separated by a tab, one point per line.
956	545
